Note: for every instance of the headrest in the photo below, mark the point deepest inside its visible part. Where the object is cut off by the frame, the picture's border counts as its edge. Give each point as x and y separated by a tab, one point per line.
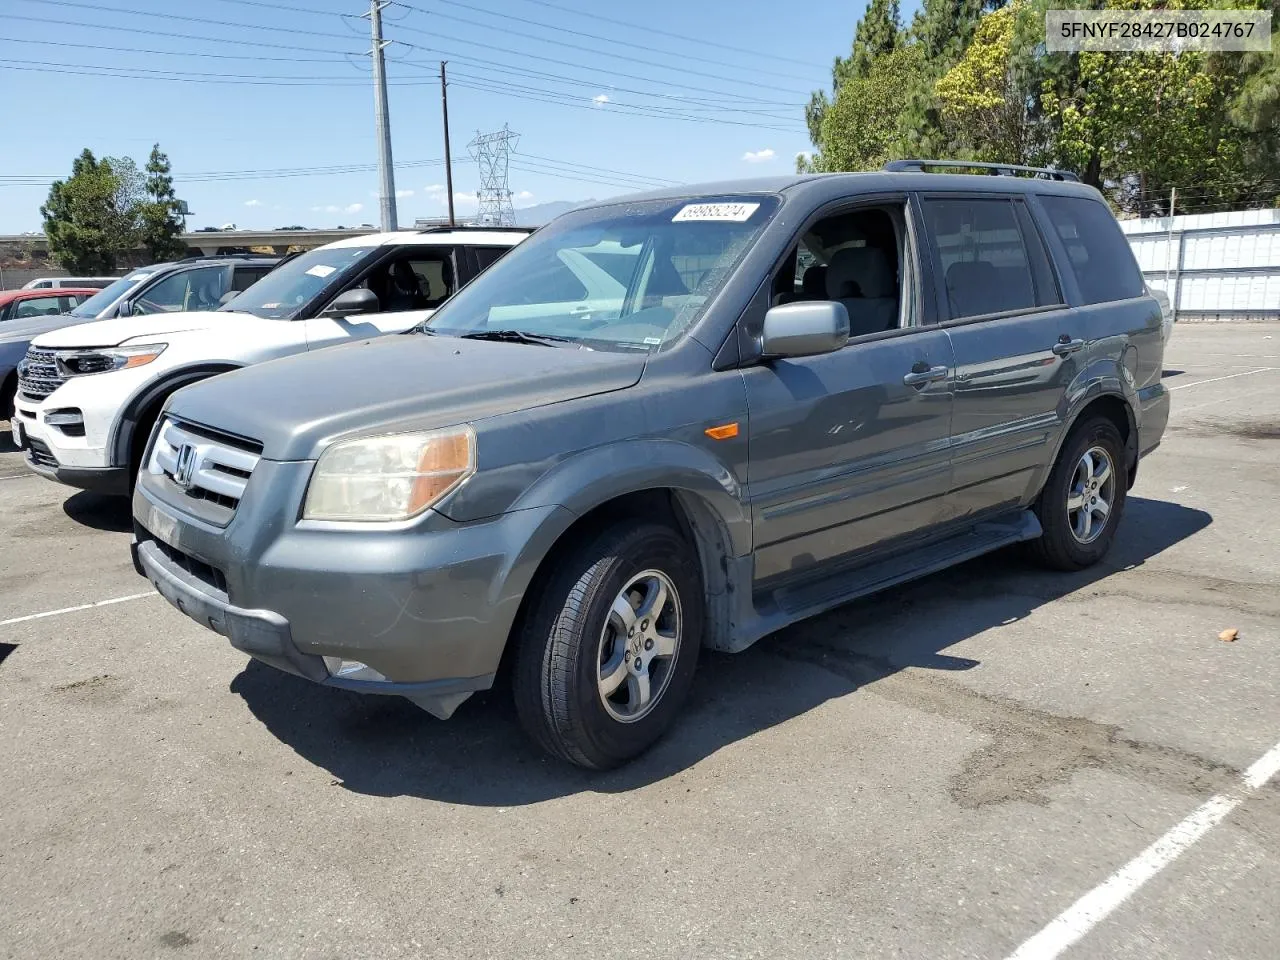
860	271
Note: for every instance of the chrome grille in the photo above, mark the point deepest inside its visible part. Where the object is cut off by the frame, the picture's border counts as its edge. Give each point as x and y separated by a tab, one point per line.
38	374
203	465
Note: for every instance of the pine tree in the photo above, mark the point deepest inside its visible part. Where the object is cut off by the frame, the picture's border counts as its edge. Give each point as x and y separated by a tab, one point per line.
161	218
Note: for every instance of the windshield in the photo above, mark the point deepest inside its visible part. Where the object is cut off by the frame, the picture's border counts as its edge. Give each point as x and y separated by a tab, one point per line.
283	292
628	276
110	294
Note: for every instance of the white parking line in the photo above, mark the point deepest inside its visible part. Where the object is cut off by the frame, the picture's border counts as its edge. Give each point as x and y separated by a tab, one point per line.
1091	909
1230	376
83	606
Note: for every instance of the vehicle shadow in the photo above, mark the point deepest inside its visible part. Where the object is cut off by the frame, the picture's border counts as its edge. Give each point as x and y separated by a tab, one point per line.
385	746
112	514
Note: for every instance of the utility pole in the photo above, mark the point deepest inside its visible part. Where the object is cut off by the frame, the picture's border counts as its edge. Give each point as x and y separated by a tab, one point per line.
387	190
448	162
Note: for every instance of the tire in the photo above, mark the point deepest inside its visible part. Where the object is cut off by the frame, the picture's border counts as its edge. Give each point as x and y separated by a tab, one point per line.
575	635
8	396
1062	546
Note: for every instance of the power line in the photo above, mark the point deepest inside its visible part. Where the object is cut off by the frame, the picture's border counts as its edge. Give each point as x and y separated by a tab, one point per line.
684	71
700	41
687	104
338	58
591	36
611	107
569	163
239	41
151	15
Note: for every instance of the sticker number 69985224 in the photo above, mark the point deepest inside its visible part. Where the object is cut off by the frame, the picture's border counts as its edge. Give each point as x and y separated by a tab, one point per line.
726	212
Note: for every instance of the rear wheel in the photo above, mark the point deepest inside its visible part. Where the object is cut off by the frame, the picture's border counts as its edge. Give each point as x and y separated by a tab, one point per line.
1083	499
608	653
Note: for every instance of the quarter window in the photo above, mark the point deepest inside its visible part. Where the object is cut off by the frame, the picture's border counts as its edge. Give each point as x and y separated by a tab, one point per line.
1100	257
981	256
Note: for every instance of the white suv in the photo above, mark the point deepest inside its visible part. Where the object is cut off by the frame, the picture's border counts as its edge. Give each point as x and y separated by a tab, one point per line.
88	395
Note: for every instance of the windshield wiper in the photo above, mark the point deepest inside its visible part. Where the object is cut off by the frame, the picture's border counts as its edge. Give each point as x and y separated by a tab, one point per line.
422	328
517	336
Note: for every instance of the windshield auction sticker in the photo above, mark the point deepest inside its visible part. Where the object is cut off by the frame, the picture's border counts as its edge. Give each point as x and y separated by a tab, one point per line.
1157	31
727	212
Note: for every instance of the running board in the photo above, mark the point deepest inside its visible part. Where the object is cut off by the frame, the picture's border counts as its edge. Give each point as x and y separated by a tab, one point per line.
786	605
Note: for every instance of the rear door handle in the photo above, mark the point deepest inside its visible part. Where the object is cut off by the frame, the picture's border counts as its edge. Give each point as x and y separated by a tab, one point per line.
1066	345
917	377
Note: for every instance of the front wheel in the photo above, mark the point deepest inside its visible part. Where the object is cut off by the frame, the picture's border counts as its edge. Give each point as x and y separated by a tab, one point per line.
608	653
1083	499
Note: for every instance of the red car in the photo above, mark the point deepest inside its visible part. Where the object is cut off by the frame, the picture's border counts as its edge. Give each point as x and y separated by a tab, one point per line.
21	304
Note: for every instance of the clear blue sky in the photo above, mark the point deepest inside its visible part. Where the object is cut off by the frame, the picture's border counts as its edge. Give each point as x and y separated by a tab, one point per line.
602	106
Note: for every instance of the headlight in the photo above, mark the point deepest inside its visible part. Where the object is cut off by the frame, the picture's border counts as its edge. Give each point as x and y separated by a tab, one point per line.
389	478
79	363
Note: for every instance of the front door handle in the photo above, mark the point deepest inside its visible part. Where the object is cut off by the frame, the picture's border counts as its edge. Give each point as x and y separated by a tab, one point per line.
917	377
1066	345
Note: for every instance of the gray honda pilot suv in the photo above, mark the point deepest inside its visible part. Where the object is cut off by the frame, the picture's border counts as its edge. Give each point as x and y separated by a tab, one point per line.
679	419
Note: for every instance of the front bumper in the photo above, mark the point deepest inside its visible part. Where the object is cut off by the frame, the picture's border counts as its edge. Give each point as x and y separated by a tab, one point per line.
109	481
266	636
426	605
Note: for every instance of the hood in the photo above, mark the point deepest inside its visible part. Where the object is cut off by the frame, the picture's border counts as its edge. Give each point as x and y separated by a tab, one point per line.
298	405
14	331
112	333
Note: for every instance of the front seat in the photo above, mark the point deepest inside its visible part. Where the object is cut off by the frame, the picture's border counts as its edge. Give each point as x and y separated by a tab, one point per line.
861	279
813	285
404	289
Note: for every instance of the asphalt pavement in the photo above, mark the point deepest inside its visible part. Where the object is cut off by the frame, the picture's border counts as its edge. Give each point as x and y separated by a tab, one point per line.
989	760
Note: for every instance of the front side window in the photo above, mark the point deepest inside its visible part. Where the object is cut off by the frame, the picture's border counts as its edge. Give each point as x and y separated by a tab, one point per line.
285	291
1100	257
625	276
198	289
36	307
858	259
417	279
111	293
980	253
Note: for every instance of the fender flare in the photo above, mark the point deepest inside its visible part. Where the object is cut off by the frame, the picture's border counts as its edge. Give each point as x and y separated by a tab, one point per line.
1076	402
593	477
120	441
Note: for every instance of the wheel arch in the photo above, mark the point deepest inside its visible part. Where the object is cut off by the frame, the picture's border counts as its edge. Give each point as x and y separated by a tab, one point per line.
1116	407
688	510
150	399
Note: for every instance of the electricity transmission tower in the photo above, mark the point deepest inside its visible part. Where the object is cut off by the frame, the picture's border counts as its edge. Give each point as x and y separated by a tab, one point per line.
493	151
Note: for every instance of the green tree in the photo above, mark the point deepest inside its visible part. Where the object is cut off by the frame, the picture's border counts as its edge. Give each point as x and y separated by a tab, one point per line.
985	105
161	219
862	128
875	36
87	218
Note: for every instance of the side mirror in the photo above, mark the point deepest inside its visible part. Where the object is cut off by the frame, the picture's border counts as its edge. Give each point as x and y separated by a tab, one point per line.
805	329
125	309
228	297
351	302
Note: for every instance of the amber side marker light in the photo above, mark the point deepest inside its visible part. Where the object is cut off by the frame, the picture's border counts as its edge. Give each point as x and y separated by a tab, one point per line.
726	431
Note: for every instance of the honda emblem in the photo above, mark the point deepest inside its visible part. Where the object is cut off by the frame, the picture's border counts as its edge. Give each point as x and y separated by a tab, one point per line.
185	466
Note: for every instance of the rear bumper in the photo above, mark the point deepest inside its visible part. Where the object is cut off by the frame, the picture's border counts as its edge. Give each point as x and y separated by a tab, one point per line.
1153	417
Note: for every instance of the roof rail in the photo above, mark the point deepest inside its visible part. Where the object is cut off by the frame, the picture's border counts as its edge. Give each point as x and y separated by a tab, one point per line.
229	256
994	169
476	227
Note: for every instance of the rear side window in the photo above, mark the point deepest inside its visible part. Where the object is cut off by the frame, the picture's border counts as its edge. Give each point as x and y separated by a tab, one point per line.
488	256
246	277
981	255
1099	255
